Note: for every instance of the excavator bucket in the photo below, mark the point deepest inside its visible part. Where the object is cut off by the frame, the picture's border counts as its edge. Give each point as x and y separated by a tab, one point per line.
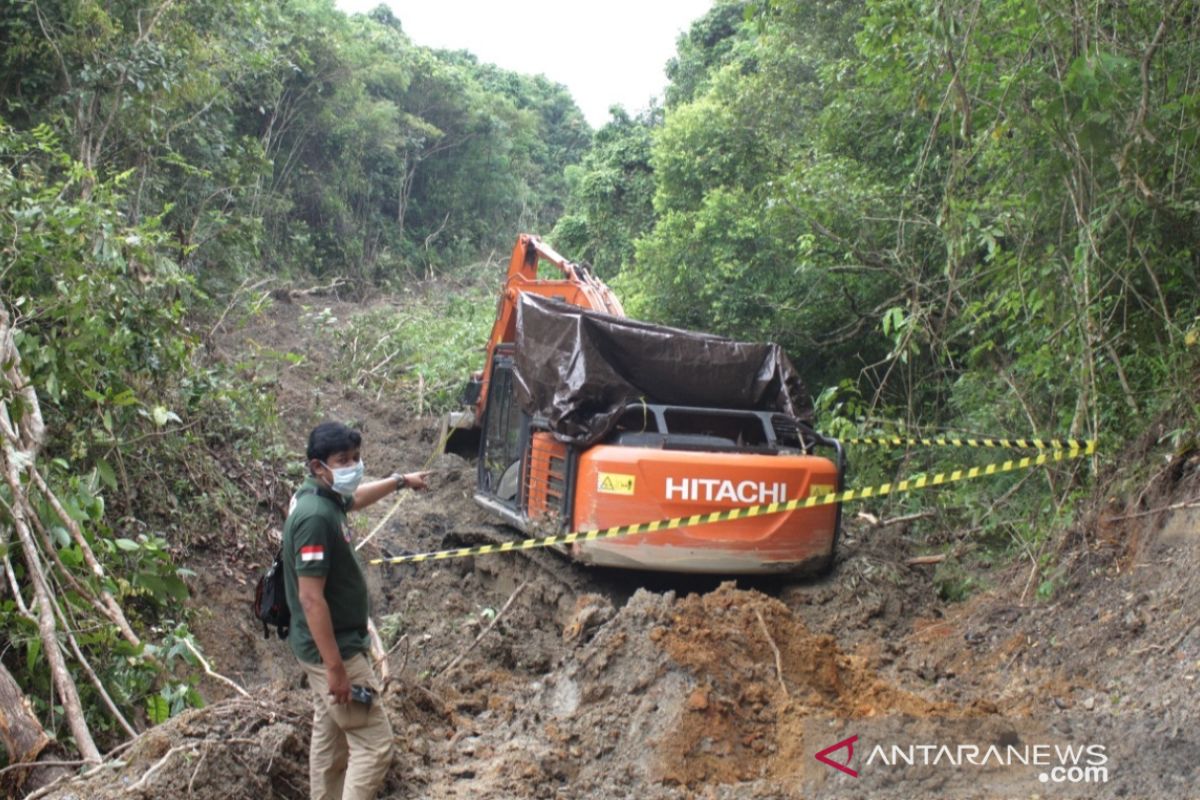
459	430
458	434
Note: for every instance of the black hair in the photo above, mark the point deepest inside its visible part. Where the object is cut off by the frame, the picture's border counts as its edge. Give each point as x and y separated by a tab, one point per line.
331	437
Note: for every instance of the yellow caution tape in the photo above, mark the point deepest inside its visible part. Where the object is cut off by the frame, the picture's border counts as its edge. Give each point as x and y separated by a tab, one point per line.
1008	444
941	478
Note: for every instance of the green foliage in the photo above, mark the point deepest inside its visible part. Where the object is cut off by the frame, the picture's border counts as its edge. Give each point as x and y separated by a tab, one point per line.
711	41
177	653
142	578
100	307
831	155
152	158
410	160
419	356
140	434
963	216
611	195
291	133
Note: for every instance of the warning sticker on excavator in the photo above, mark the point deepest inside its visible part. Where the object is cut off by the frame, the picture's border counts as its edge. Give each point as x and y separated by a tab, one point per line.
615	483
818	489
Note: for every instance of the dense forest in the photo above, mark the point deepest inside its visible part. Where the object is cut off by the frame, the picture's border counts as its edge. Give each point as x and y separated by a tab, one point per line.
157	160
954	214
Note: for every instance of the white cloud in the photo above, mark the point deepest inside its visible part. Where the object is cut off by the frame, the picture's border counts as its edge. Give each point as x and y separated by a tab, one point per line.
606	53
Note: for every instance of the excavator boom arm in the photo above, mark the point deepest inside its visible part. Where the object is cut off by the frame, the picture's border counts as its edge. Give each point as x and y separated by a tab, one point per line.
577	286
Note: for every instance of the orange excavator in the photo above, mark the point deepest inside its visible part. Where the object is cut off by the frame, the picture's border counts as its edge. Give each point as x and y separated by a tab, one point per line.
588	420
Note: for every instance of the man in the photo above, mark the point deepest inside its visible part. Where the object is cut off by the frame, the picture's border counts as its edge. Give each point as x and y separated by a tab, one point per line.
351	746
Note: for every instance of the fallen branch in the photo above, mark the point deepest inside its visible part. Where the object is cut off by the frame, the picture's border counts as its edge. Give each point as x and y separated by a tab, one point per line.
395	507
21	733
1166	648
22	608
396	646
1192	503
208	670
775	649
317	290
378	654
46	622
110	762
196	771
80	658
159	765
233	301
1178	640
375	369
99	685
407	649
906	518
36	764
876	522
454	662
919	560
114	612
49	548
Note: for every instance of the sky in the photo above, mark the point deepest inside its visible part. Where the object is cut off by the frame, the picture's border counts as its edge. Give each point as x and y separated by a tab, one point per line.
606	52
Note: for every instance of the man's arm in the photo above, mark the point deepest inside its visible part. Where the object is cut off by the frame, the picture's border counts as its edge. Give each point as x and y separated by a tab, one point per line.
316	612
374	491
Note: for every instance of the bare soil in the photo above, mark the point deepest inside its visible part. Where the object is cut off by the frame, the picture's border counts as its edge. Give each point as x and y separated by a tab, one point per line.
609	685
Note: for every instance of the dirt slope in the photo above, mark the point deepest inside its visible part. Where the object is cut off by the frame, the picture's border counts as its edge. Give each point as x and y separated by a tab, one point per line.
609	685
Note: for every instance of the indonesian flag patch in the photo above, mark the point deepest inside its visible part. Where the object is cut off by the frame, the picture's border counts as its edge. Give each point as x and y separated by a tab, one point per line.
313	552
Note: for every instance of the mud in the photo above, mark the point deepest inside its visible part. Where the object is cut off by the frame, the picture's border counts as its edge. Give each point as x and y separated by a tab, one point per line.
611	685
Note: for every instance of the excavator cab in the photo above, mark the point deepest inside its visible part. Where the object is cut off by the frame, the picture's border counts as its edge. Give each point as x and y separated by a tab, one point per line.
505	429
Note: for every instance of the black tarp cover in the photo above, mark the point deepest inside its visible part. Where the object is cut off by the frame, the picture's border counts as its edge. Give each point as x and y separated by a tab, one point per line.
579	368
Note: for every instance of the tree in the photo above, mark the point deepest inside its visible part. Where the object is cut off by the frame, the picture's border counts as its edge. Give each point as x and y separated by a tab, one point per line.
716	39
611	194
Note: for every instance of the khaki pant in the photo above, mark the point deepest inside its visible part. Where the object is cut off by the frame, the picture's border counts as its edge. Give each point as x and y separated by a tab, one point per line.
351	745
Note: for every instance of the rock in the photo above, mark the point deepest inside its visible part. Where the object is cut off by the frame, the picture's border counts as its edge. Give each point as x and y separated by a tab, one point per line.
591	611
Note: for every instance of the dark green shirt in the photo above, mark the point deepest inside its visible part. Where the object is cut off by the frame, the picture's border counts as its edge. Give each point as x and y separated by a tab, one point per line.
316	541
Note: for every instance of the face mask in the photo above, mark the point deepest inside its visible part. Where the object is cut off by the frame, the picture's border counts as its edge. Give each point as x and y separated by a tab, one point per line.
346	479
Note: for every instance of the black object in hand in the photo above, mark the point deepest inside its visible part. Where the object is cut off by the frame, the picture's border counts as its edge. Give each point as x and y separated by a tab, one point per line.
362	694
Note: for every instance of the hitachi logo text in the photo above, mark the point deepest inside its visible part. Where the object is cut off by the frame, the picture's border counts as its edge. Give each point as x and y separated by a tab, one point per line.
715	490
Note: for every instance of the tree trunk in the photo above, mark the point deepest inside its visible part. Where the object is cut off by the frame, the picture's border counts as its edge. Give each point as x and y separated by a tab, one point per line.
23	738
